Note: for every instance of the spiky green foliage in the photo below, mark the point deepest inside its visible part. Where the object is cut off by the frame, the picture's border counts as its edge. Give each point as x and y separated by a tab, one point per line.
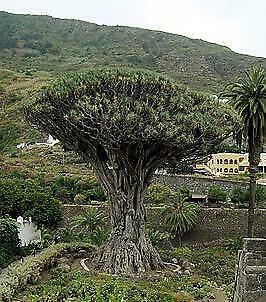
248	96
90	220
129	109
180	216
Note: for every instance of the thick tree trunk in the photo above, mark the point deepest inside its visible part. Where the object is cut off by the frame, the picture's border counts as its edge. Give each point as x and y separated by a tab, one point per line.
128	250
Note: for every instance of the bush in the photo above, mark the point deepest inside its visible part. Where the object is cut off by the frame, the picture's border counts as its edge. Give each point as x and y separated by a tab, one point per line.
23	197
239	196
216	194
89	226
260	194
157	238
19	275
9	240
158	193
66	189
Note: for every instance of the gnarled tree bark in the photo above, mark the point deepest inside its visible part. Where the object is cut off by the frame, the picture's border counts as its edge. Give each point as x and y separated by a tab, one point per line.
128	250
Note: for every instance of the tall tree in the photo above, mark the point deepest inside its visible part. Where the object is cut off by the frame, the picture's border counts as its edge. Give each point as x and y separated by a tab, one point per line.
126	124
248	96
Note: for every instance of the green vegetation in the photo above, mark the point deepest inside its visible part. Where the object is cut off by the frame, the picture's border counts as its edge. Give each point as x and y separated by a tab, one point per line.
216	262
126	123
31	46
216	194
24	197
82	287
180	216
158	193
77	190
17	276
241	196
9	240
89	227
213	266
247	96
30	43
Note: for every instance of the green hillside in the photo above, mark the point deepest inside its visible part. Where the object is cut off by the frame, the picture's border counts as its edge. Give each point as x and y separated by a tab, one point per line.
35	49
29	43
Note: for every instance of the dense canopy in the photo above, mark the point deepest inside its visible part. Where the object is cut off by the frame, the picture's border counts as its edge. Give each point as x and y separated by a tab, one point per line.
116	107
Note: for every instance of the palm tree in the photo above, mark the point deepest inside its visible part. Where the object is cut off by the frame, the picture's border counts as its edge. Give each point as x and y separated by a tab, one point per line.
248	97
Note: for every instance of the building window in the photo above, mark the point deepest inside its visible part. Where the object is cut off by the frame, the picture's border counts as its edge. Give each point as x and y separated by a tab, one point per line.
221	170
217	170
221	161
231	162
226	161
218	161
235	162
236	170
225	170
212	161
241	168
231	170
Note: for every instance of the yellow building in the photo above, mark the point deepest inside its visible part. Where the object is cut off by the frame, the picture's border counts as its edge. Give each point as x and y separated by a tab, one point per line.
230	163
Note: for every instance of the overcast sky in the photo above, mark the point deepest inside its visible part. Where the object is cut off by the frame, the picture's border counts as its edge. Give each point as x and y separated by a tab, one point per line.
239	24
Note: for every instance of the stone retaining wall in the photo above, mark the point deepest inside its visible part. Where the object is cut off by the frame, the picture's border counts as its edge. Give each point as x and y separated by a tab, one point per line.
198	184
213	224
250	283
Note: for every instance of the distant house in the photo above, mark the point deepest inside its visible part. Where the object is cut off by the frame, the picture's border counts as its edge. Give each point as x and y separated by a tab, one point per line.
230	163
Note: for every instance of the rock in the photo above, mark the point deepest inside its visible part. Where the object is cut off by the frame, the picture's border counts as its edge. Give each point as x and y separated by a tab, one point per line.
174	260
82	253
188	265
187	272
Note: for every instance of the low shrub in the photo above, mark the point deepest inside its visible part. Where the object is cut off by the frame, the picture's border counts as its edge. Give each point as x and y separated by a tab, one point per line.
9	241
24	197
235	244
216	263
78	286
158	193
18	275
239	196
159	239
216	194
89	226
67	188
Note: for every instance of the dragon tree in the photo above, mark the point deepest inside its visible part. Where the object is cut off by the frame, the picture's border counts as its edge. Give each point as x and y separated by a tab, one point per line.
126	124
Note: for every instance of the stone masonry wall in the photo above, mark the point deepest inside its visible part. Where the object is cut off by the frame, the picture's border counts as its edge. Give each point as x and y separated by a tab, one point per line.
250	283
198	184
213	224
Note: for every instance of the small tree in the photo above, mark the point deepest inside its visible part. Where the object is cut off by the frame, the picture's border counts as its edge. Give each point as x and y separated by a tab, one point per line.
180	216
126	124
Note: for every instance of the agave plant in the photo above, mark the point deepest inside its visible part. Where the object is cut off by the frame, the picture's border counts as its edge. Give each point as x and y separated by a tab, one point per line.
98	236
180	216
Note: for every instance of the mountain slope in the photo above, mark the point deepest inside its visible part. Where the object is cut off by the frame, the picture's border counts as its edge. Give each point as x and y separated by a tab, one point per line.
48	44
